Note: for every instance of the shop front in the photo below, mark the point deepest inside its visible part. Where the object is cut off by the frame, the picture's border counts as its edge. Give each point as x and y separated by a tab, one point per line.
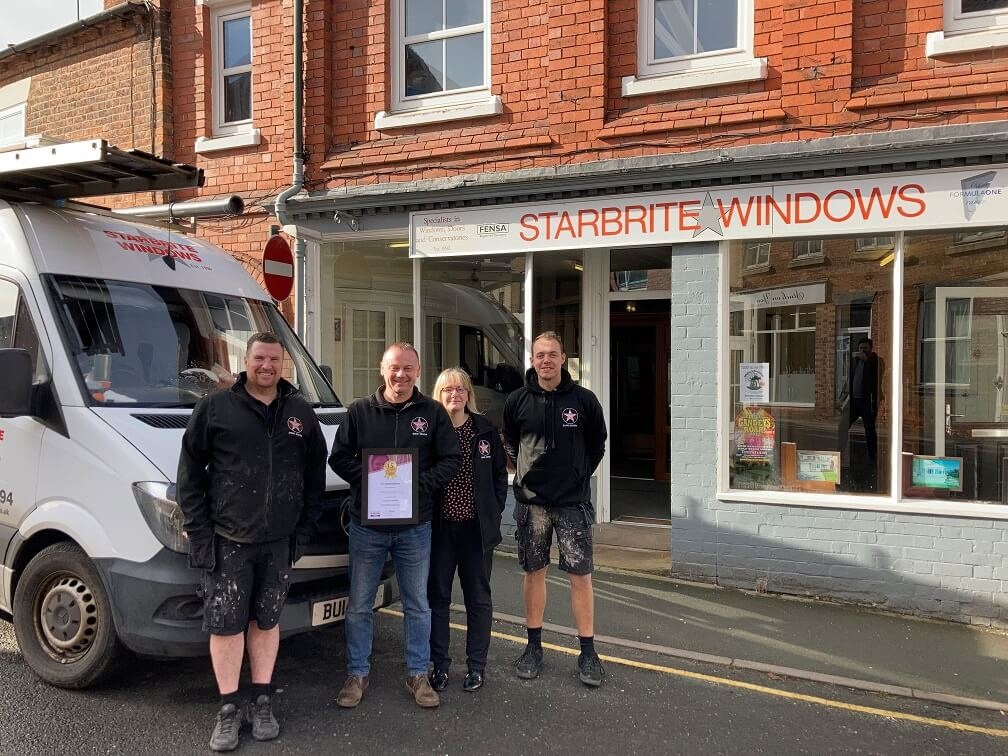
804	381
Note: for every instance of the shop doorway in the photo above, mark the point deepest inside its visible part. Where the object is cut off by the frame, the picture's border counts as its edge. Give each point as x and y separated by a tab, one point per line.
639	412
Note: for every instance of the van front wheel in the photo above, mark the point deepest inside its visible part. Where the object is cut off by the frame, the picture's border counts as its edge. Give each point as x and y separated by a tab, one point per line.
63	618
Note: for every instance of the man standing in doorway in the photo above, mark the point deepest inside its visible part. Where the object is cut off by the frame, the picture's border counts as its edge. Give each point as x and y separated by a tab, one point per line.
864	395
396	416
250	482
555	434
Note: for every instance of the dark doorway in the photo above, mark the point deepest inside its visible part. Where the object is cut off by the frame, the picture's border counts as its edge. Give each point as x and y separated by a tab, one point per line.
640	346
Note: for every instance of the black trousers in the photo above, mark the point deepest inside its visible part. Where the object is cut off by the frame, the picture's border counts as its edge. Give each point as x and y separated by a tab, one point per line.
862	408
459	546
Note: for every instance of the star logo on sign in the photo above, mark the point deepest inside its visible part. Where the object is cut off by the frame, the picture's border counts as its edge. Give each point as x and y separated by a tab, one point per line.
709	218
570	416
419	425
294	424
484	447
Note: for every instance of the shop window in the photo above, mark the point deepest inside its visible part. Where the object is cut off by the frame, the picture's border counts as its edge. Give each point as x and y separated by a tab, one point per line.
645	269
684	44
955	399
807	249
473	310
556	291
441	53
807	374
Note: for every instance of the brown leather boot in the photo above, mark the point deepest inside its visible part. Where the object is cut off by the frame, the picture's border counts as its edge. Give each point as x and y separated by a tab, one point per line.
423	693
352	692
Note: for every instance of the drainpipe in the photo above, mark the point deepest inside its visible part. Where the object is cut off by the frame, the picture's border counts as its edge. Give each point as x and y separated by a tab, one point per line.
280	208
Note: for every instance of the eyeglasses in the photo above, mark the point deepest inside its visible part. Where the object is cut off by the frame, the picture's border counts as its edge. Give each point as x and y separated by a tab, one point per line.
454	390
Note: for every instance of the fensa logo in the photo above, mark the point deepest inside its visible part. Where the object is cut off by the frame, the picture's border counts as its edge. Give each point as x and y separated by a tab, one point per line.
492	229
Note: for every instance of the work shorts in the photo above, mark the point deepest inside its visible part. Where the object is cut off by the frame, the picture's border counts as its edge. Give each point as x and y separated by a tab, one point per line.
249	581
573	526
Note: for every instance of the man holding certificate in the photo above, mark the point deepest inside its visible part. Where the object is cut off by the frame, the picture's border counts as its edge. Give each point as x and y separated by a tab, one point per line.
397	449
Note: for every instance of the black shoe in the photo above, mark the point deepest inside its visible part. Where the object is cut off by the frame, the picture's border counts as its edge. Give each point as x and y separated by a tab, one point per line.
590	670
260	715
438	679
473	681
530	663
227	729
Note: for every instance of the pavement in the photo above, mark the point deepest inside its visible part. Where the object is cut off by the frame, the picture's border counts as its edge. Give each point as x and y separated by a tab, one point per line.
798	638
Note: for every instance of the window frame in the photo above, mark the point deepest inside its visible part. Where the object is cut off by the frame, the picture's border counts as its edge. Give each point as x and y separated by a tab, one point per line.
808	254
18	110
955	21
758	247
219	15
399	102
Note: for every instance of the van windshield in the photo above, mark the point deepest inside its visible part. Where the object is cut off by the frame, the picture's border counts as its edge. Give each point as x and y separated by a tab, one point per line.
140	344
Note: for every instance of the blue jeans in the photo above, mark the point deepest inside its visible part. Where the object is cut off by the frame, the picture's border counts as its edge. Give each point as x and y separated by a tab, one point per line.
410	548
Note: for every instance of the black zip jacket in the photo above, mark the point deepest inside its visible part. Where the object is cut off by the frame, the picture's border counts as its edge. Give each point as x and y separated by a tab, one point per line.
248	481
420	423
556	440
489	480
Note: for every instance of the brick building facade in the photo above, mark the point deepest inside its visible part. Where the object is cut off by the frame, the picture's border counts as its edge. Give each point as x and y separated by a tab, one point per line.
432	140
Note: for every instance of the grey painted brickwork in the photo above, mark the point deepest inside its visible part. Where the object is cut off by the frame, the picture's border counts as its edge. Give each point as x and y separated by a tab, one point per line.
955	568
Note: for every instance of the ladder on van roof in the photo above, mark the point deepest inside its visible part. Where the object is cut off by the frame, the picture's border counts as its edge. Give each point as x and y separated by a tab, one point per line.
91	168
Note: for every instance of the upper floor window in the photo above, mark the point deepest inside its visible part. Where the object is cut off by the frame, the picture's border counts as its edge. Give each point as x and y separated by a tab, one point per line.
969	25
970	15
689	44
807	249
442	53
232	57
12	124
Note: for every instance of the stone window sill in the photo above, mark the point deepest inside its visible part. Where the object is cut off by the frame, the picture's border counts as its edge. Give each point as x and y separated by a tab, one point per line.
941	43
490	106
250	138
748	70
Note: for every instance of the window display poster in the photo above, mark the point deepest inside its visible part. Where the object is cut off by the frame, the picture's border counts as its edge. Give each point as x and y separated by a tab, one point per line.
755	436
754	383
821	466
943	473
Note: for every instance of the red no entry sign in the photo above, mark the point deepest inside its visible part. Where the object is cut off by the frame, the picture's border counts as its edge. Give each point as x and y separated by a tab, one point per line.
278	268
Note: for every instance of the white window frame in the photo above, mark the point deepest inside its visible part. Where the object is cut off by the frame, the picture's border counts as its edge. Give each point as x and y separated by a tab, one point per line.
399	102
966	32
761	249
15	111
697	70
218	17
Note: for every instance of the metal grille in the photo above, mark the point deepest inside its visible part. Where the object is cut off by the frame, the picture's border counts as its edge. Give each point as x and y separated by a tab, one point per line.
164	421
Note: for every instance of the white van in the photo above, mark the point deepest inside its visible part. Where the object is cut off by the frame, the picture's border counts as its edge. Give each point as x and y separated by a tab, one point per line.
110	332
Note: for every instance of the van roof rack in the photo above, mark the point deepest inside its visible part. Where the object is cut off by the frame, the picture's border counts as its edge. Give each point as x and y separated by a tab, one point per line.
91	168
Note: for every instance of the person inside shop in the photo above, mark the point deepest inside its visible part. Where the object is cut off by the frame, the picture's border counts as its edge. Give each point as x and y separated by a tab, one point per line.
466	528
555	434
396	416
864	394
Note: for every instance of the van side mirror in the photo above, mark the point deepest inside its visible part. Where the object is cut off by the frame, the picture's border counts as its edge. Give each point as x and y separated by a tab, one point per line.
327	372
15	382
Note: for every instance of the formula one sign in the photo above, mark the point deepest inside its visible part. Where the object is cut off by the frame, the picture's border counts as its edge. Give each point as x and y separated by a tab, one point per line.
940	199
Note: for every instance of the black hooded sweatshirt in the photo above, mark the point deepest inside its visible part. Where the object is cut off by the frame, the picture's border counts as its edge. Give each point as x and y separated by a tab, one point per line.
556	440
247	479
420	423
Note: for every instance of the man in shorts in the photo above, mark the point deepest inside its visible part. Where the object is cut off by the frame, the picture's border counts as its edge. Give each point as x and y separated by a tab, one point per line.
250	483
555	434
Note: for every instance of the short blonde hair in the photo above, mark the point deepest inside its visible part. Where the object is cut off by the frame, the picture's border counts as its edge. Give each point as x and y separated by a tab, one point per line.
456	376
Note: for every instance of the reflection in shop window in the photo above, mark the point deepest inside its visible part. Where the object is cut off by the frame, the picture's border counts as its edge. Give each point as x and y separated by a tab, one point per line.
807	249
871	243
955	407
473	319
806	413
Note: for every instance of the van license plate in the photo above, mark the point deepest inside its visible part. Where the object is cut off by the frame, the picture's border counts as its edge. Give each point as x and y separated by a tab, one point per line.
334	610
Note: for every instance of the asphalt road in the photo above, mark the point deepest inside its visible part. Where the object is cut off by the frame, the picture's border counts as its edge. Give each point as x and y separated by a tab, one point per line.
650	704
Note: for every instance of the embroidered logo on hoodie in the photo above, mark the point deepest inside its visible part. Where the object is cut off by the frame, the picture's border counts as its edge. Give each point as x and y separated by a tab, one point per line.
484	449
419	426
569	417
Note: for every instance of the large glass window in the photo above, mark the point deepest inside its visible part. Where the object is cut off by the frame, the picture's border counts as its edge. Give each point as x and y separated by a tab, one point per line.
955	403
473	318
366	304
556	295
808	356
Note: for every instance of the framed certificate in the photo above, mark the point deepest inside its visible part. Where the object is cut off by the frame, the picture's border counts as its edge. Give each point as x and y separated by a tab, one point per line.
389	487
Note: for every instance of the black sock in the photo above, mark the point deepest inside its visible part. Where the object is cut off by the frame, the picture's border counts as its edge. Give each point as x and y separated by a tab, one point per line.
260	689
534	636
587	644
230	698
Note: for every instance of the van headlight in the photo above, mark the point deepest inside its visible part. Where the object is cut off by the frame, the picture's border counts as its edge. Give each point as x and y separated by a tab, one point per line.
164	517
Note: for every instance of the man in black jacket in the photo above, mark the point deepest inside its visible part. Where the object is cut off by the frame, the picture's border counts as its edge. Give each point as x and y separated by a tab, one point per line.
555	433
250	483
396	416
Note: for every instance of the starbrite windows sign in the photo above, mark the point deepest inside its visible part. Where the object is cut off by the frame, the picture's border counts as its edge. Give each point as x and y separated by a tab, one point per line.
882	204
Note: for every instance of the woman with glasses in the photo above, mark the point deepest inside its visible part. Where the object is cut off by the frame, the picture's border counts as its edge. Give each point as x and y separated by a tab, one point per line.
466	530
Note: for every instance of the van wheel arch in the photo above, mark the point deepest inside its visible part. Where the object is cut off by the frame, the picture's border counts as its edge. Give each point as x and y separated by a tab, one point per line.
63	616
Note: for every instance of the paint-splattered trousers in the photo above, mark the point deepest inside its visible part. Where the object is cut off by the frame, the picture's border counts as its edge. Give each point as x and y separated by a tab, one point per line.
249	582
573	526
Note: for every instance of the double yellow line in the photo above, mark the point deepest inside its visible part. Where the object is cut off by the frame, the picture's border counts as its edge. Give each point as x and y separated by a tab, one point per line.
764	689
